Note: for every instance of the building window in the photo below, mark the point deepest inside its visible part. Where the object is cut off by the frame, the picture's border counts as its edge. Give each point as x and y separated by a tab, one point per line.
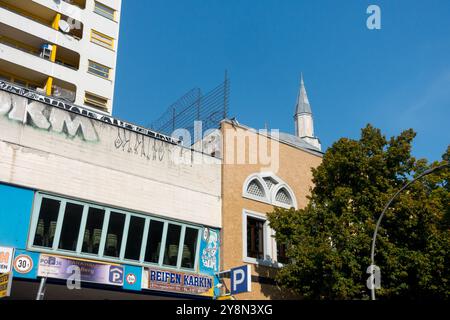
93	231
189	248
259	245
255	238
281	253
115	234
99	70
172	245
154	239
75	228
255	188
283	197
104	11
268	188
71	226
96	101
102	40
134	241
46	225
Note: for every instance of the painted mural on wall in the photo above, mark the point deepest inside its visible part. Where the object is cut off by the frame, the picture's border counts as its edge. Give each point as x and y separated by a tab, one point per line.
209	251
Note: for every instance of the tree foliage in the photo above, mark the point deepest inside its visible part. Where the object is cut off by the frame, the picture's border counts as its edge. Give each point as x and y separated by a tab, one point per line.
329	241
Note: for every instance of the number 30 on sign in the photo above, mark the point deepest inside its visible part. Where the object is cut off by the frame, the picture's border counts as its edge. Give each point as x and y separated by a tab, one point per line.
23	264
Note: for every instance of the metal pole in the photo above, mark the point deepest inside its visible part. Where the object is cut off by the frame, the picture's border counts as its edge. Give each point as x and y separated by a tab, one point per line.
42	287
374	239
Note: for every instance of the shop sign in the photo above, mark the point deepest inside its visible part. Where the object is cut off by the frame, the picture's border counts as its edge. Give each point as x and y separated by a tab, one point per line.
57	267
5	284
178	282
6	257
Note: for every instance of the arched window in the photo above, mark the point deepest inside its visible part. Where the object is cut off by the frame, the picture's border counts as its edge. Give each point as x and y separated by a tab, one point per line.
269	188
283	196
255	189
270	182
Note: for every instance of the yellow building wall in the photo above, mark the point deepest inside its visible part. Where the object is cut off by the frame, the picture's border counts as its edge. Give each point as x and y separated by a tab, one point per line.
294	168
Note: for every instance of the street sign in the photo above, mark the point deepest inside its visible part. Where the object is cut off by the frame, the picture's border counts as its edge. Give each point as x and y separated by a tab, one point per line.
241	279
5	284
6	256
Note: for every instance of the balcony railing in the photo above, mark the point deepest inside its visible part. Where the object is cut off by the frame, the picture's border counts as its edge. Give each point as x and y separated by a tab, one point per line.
31	50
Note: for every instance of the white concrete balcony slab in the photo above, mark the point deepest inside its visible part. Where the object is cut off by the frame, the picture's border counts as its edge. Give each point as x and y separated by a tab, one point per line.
46	33
34	62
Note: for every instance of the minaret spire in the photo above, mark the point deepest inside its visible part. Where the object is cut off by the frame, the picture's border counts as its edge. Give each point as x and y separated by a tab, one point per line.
304	123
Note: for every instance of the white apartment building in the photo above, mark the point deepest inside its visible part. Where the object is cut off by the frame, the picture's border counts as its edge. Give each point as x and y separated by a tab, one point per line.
62	48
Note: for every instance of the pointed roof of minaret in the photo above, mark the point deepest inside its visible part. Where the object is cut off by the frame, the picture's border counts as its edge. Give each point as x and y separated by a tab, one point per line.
303	105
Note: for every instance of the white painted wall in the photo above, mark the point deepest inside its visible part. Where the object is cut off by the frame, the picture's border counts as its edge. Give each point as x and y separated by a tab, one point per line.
51	154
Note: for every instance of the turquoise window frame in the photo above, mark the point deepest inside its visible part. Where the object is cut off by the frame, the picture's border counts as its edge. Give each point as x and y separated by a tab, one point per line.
100	256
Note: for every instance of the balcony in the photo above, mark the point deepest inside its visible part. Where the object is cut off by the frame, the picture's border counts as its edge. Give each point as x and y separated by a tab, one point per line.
42	15
36	81
33	45
78	3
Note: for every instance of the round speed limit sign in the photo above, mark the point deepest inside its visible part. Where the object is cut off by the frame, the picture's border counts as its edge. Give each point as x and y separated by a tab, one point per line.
23	264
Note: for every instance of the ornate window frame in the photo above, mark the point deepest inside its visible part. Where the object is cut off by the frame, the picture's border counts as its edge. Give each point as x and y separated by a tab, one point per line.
269	194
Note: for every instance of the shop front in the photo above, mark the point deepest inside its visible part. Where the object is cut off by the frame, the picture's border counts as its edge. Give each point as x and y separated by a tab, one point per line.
92	202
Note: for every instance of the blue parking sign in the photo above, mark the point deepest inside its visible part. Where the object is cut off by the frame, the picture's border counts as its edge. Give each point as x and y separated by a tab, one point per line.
241	279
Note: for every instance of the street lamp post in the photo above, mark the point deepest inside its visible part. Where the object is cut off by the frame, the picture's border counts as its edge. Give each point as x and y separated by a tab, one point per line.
372	255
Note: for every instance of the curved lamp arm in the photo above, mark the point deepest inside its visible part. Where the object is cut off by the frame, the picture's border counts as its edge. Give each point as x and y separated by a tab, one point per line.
423	174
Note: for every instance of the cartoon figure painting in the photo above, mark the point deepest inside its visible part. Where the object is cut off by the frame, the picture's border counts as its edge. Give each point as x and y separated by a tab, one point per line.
210	251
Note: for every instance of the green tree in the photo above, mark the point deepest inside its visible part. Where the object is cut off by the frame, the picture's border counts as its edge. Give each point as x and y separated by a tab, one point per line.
329	241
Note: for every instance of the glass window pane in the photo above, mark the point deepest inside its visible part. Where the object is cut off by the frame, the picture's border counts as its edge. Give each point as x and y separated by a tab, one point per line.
255	238
172	244
114	235
134	241
155	232
93	231
189	248
281	253
104	10
46	226
71	227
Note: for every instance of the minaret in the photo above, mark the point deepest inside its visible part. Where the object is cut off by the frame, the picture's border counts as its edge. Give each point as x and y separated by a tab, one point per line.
304	123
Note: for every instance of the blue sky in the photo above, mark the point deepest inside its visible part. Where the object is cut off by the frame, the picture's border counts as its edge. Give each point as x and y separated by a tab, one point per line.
394	78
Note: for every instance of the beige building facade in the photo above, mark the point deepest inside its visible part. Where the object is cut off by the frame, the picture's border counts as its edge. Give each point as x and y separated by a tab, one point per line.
249	191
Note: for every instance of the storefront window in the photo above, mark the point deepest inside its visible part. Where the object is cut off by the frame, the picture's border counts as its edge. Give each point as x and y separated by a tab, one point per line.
93	231
189	248
172	245
154	241
134	241
255	238
46	226
71	227
114	235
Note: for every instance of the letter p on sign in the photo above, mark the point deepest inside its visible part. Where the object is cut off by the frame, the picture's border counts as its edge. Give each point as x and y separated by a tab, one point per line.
241	279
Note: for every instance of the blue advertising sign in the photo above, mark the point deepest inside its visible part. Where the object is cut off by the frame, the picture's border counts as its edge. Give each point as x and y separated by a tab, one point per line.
241	279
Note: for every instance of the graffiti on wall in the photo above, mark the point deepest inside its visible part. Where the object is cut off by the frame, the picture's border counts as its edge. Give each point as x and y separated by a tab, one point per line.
151	149
32	95
45	117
